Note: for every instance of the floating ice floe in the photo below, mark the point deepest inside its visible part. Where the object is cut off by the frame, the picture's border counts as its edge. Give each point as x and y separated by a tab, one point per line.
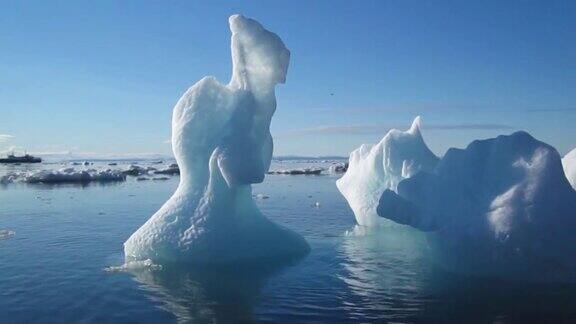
136	170
10	177
569	164
172	169
70	175
6	234
338	168
143	265
305	171
222	143
373	169
501	207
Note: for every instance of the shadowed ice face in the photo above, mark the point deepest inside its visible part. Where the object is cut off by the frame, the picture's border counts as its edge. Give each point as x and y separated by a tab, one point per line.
245	152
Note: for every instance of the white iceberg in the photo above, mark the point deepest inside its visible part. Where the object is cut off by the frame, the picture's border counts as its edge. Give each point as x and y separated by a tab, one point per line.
569	164
502	207
222	143
373	169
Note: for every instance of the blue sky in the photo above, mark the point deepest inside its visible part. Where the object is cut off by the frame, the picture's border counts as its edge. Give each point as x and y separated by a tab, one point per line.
101	77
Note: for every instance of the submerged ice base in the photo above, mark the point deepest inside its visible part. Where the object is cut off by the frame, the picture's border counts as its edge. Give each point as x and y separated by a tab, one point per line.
502	207
222	143
373	169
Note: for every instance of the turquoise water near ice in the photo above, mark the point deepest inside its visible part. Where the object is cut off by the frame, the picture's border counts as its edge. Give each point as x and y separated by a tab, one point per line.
52	269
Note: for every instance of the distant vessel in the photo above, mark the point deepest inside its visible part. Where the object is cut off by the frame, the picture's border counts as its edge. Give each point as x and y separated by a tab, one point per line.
27	158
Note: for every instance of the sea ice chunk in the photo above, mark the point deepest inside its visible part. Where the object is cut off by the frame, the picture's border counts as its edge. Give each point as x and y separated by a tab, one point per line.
569	164
70	175
6	234
172	169
373	169
501	207
134	266
338	168
136	170
222	143
9	178
304	171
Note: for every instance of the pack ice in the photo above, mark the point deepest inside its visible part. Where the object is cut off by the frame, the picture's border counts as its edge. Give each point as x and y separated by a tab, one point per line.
569	164
373	169
222	143
502	207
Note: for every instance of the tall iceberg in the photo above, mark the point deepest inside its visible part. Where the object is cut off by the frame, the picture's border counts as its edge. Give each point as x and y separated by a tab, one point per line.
569	164
373	169
222	143
502	207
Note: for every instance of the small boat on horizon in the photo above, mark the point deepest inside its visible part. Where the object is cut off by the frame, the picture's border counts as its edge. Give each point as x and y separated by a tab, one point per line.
27	158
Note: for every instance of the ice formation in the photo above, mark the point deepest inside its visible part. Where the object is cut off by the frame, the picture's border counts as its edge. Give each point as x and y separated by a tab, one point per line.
373	169
569	164
338	168
172	169
303	171
222	143
136	170
501	207
64	175
70	175
134	266
8	178
6	234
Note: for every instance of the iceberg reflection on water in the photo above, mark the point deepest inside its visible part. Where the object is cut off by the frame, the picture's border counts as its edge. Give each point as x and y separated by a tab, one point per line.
208	294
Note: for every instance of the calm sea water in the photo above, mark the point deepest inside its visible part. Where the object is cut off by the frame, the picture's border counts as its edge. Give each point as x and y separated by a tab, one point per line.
52	269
